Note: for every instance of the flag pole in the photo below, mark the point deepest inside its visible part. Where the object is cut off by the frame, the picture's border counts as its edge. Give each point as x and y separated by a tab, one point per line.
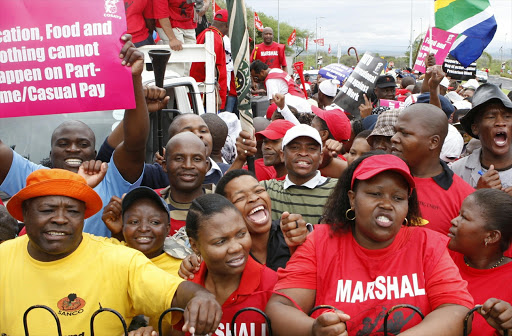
254	32
432	23
240	52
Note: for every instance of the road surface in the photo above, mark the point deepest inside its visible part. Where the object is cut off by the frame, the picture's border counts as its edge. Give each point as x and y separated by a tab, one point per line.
506	83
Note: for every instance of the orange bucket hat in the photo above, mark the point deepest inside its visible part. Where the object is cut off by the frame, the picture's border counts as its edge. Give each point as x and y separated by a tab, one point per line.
55	182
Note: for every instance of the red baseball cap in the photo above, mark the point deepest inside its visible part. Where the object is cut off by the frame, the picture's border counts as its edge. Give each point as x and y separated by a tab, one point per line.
275	130
377	164
270	110
221	15
337	122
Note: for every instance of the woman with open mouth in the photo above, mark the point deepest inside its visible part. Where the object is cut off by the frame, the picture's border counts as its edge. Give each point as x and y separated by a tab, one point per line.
273	242
479	237
367	258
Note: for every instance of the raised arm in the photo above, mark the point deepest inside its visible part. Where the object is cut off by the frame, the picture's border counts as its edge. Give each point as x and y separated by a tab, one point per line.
5	160
129	155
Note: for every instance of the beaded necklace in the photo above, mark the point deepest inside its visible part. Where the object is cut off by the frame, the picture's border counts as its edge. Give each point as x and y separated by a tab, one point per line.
493	266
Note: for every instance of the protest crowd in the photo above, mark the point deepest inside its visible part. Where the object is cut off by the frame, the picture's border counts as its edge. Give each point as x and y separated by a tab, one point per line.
402	196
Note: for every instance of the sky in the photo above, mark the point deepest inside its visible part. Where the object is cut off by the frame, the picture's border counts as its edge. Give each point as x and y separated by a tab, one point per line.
373	25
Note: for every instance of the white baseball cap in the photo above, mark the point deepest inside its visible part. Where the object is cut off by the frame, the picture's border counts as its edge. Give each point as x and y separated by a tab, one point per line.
329	87
471	84
301	130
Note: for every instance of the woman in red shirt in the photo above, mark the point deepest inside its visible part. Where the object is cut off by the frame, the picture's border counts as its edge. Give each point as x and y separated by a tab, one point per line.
218	233
369	258
479	237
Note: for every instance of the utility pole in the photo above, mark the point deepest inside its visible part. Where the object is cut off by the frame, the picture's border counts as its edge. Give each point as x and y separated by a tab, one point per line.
278	21
410	44
316	43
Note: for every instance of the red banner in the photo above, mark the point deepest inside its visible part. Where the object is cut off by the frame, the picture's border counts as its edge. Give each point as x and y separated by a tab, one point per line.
329	51
257	22
320	42
307	42
292	38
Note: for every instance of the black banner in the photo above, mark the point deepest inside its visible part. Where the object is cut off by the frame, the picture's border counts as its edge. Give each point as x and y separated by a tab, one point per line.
455	70
361	81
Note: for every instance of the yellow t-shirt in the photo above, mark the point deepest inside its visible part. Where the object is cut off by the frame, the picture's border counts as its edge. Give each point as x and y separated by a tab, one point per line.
164	261
96	273
171	265
168	263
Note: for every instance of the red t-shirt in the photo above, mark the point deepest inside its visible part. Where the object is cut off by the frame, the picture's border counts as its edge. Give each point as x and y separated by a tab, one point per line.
263	172
255	289
415	269
272	55
136	11
485	284
440	206
179	12
197	70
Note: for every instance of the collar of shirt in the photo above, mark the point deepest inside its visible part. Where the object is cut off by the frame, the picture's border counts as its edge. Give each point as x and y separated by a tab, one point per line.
311	184
213	168
249	282
445	179
473	160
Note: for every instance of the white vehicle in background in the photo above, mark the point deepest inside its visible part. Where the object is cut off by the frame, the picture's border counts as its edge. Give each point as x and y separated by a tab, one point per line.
481	76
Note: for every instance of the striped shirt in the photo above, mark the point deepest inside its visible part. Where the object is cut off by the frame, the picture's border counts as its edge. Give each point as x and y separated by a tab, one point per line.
299	199
178	211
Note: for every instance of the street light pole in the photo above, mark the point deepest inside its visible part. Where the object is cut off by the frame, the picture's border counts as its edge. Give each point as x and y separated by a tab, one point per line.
277	21
410	42
316	34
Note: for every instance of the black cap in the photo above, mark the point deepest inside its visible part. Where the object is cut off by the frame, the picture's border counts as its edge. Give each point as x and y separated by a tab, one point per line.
143	193
485	94
385	81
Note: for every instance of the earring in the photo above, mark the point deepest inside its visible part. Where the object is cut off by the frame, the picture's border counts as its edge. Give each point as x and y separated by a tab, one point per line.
486	243
346	214
406	222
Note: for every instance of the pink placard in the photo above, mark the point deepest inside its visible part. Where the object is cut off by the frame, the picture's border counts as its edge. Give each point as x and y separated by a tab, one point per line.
62	56
441	44
394	104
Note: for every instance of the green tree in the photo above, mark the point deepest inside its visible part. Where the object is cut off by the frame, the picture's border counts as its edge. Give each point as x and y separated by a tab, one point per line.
285	30
418	41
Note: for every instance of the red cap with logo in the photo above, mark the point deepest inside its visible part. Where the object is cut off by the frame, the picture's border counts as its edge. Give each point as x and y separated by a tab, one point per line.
337	122
275	130
377	164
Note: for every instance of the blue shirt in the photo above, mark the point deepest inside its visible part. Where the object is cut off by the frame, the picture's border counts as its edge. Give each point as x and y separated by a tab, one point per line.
113	184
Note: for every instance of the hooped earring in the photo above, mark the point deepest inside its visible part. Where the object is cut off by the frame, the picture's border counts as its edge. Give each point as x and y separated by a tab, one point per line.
406	222
346	214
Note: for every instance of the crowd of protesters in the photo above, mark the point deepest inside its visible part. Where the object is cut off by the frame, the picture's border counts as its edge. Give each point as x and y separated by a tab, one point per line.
358	211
